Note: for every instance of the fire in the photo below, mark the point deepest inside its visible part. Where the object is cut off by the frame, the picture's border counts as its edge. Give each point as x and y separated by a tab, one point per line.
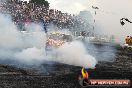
84	73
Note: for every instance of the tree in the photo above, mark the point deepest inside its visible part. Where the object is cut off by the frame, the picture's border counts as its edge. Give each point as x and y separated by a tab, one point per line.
41	2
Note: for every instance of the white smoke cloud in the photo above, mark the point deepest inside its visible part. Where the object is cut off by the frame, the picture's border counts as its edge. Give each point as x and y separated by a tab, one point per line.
9	35
15	45
29	47
31	56
75	53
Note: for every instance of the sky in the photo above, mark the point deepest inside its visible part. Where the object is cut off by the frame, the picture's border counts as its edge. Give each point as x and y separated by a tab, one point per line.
71	6
108	16
74	6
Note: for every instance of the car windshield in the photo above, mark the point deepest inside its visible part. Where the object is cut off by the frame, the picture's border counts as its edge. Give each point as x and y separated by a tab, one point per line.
56	37
60	37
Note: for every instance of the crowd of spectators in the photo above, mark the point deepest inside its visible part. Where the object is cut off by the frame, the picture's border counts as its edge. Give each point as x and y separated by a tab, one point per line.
23	12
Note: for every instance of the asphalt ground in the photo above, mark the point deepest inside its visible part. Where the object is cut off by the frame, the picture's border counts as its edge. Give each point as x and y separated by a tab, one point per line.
57	75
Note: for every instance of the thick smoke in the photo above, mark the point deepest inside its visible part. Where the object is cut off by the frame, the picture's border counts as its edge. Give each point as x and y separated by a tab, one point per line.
75	53
29	47
12	41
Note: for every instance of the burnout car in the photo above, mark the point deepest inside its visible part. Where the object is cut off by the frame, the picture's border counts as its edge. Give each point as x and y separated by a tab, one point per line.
57	39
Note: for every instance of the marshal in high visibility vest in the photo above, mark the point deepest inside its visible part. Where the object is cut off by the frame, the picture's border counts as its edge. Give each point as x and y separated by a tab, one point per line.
129	40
